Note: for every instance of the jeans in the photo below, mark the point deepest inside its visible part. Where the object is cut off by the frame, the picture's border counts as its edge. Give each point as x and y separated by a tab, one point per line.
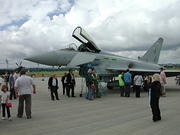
127	89
12	94
4	109
137	89
89	93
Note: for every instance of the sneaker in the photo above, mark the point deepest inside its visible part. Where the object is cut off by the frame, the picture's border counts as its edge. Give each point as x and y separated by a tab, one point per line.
10	119
3	118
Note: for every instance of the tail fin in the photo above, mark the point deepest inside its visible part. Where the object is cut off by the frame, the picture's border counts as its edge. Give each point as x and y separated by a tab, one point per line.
152	55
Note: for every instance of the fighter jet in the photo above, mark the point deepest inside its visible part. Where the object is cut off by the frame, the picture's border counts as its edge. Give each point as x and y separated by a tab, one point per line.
107	65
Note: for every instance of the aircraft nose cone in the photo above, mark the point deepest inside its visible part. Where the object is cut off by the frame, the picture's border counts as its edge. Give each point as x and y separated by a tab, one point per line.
54	58
46	58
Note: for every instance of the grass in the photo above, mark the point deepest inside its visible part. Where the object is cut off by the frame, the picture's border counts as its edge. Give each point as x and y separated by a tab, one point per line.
49	73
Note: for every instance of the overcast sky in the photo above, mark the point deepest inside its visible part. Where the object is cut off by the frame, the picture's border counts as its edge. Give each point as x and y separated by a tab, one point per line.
124	27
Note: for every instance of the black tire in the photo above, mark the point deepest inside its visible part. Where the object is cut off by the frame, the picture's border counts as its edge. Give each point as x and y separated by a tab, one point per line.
110	85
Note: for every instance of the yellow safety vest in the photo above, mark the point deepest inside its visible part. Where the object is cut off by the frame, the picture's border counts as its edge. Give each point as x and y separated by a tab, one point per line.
121	82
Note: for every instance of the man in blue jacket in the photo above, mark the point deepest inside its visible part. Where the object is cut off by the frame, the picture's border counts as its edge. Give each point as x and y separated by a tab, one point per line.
127	81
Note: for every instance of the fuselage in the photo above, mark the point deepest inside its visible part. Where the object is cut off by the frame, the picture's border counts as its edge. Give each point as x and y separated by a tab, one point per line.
102	62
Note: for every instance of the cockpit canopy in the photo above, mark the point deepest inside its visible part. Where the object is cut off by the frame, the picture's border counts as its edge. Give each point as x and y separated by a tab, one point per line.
87	43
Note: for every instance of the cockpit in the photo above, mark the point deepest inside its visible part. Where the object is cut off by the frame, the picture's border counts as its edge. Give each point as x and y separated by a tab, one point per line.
84	48
88	45
71	47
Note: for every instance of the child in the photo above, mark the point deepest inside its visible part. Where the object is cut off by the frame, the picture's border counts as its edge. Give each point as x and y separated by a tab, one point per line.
4	99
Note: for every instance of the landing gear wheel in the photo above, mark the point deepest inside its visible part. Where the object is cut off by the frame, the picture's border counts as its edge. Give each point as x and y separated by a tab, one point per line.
110	87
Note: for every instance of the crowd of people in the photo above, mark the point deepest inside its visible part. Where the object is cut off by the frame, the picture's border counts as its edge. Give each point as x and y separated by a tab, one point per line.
20	86
154	85
68	84
15	86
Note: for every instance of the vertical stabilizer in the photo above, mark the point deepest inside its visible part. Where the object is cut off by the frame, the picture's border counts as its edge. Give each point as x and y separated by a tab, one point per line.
152	55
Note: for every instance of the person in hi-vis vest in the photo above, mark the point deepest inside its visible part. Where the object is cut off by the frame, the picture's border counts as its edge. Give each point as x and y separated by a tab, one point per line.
121	83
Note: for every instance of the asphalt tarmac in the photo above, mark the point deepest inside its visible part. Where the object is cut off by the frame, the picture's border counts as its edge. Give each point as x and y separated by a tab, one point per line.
109	115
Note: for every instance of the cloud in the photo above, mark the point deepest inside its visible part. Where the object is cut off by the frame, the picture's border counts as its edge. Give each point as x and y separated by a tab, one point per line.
124	27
